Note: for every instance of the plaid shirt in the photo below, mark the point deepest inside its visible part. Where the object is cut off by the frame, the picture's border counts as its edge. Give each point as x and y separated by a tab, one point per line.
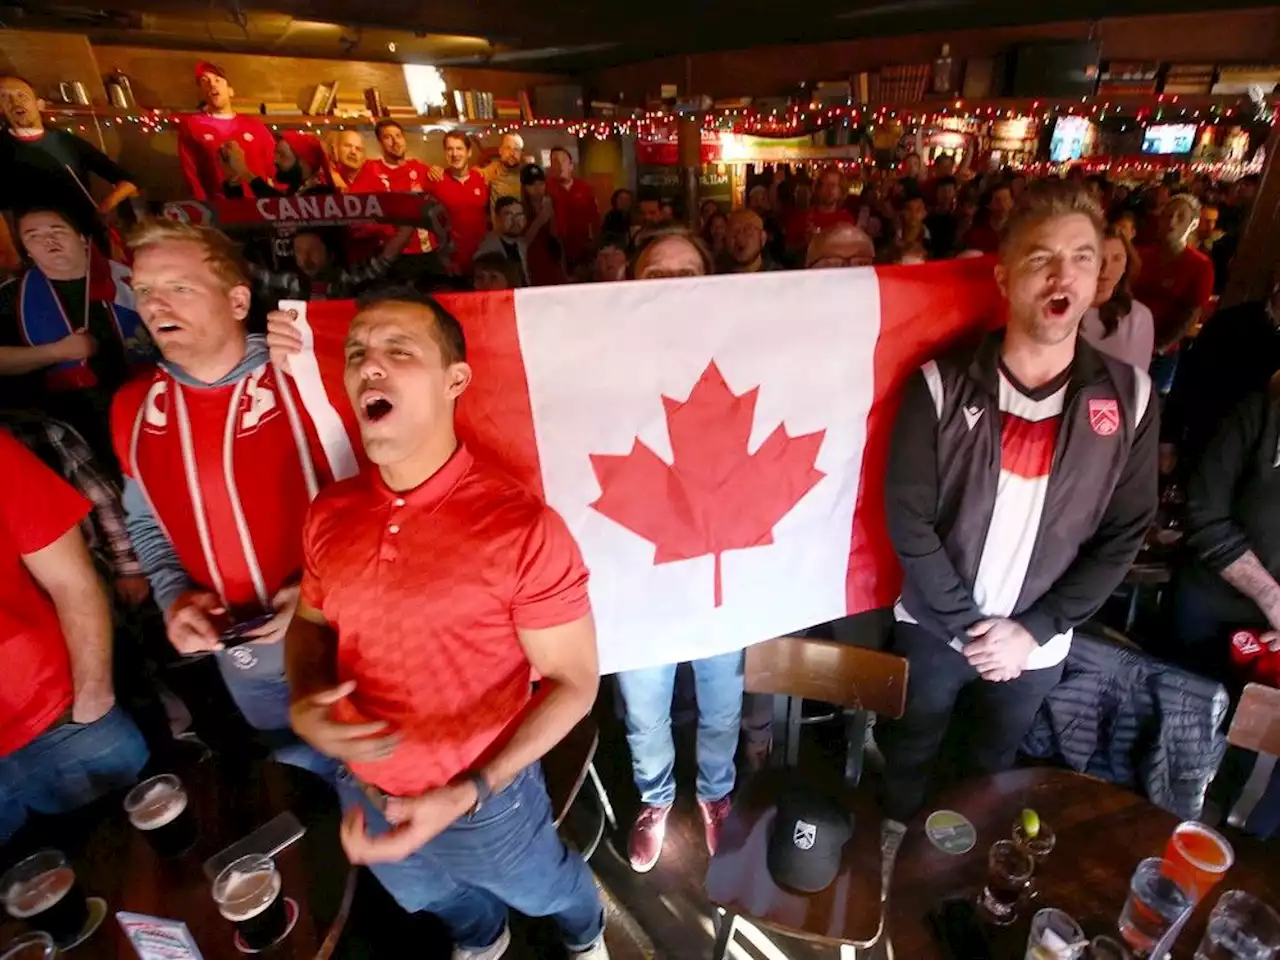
64	451
342	283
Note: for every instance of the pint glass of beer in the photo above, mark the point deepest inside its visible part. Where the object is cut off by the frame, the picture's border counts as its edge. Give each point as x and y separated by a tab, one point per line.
42	891
248	894
31	946
158	809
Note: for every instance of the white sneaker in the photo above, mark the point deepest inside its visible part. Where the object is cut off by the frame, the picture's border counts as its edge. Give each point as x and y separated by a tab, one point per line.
491	952
597	951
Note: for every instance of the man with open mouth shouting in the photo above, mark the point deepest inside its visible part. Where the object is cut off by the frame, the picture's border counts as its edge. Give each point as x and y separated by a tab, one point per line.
435	590
1021	482
220	463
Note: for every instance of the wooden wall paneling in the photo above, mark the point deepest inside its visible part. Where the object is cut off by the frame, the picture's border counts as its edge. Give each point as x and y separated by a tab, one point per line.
47	59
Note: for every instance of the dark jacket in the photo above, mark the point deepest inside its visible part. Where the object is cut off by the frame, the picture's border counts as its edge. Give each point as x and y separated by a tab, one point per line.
1134	721
944	468
1233	504
1235	354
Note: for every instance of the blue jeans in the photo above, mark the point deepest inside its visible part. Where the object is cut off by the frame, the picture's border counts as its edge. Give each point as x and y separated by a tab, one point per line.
508	854
68	767
647	694
254	675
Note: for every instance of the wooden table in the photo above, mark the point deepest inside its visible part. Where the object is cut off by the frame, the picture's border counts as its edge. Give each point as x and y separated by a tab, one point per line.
1102	833
113	861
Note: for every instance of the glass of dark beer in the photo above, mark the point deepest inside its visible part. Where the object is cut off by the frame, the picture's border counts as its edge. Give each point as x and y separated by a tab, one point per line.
31	946
158	809
42	891
1009	870
248	894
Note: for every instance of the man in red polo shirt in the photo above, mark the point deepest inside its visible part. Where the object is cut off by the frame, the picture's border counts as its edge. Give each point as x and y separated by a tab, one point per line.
1175	283
577	212
63	740
202	137
435	590
464	191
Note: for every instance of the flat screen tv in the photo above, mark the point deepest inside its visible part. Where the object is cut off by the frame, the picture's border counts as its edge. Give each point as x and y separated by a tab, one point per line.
1172	138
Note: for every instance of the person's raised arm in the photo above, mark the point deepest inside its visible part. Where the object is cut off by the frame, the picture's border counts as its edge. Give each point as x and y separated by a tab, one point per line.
65	571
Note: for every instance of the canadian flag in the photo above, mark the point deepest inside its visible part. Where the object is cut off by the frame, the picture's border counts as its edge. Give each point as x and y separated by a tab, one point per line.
717	445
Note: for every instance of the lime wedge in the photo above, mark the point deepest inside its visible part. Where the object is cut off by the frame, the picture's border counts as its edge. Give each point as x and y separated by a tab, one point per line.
1030	823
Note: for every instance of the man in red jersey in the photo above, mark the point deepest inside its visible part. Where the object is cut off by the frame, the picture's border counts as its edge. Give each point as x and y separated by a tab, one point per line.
577	212
827	210
464	191
347	158
394	172
436	590
220	462
63	740
202	137
1175	282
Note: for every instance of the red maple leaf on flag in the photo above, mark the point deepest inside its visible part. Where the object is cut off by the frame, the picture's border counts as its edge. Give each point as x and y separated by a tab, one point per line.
714	496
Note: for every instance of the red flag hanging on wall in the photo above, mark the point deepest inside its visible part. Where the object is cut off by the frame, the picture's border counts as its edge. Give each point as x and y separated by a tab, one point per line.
716	445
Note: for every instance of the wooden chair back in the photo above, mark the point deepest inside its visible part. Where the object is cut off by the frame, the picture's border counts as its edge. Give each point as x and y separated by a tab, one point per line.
1256	725
854	677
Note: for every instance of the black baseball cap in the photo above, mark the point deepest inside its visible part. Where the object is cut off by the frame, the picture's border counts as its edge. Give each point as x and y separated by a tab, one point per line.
532	173
809	833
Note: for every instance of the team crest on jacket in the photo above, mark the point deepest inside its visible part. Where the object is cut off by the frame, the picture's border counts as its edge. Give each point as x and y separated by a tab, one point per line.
1104	417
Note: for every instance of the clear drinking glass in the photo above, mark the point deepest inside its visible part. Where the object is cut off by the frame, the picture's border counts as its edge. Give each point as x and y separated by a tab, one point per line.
1009	870
158	809
1055	935
247	893
1241	927
1155	902
42	891
1199	856
31	946
1104	948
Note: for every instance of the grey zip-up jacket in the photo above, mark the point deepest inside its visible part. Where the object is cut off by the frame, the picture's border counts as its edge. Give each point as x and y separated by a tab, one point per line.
944	469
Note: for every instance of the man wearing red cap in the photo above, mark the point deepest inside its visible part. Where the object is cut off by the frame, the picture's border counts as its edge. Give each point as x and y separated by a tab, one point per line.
203	136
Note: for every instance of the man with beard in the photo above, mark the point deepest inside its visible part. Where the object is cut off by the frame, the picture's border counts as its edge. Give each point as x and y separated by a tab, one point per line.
503	172
745	247
1021	482
69	332
436	590
220	463
40	166
347	159
203	136
827	210
394	172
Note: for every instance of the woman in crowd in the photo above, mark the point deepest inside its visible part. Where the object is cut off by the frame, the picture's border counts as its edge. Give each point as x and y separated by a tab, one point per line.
714	233
618	219
1117	324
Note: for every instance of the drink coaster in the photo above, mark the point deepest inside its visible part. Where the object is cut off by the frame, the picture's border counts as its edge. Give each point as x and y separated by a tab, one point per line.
950	832
97	913
291	911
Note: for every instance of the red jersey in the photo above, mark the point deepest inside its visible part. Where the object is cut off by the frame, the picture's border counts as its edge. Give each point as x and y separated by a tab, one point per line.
1168	286
378	176
36	508
577	218
805	223
467	201
200	138
228	472
426	590
981	236
545	257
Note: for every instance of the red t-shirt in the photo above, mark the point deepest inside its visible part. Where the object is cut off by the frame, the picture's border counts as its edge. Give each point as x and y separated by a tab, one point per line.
377	176
577	218
1169	286
804	224
426	590
981	236
36	508
467	201
201	136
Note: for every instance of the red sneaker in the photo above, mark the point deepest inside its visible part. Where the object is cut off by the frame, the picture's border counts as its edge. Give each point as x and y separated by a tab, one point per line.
714	813
645	843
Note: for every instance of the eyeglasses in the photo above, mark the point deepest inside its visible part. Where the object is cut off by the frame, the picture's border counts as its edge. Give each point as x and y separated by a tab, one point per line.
828	262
